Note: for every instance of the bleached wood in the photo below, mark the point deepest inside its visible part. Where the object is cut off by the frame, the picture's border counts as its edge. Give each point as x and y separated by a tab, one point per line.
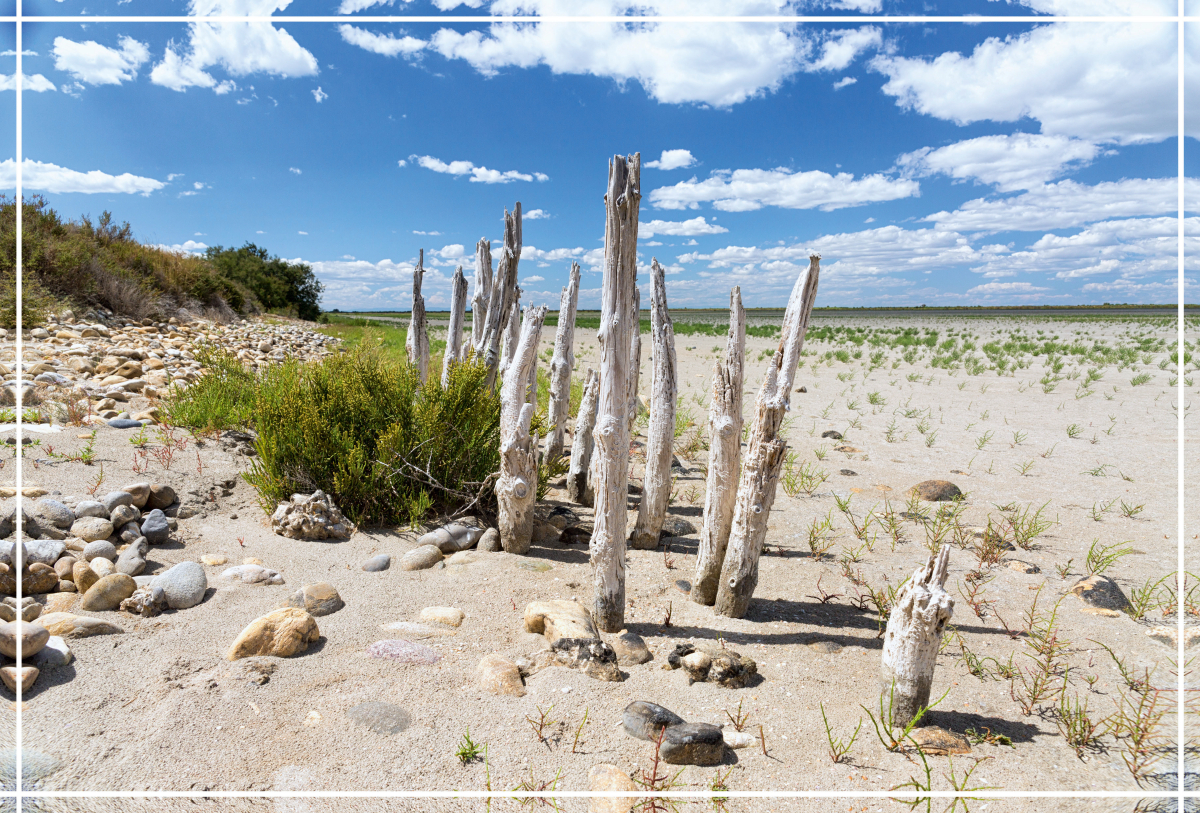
765	453
483	289
582	442
417	341
914	635
660	433
516	490
635	355
511	335
611	482
503	294
724	456
559	407
454	332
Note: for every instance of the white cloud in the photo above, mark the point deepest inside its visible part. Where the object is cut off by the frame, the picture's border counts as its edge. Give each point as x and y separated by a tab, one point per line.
402	162
845	81
1011	162
990	288
679	228
528	280
535	214
351	6
240	49
187	247
294	170
454	251
55	179
14	53
478	174
320	95
198	185
428	233
672	159
96	64
842	47
1101	82
1068	204
385	44
37	83
302	232
744	190
348	257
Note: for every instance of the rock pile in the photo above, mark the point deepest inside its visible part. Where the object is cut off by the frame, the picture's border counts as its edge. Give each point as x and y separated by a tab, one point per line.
708	663
312	516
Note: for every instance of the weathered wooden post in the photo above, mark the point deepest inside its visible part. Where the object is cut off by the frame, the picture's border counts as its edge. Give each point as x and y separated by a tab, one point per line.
635	354
504	292
660	434
724	456
611	483
559	407
516	490
914	635
454	333
483	288
511	335
765	454
417	341
578	489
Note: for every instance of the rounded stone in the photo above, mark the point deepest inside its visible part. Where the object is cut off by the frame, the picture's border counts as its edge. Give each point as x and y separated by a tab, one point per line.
630	649
936	491
65	566
140	493
124	423
108	593
54	654
450	616
113	499
46	551
644	720
160	496
280	633
33	638
184	585
124	514
490	541
83	576
155	527
316	599
377	563
91	508
1101	591
89	529
422	558
692	744
103	567
53	512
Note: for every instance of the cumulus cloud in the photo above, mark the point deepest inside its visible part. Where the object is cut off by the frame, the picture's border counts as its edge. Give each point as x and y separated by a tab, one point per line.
96	64
1100	82
37	83
294	170
744	190
55	179
320	95
478	174
428	233
535	214
843	47
679	228
1011	162
991	288
385	44
240	49
845	81
186	247
672	159
528	280
1068	204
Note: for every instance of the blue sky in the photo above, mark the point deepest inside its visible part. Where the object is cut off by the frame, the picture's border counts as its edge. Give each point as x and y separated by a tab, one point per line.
929	163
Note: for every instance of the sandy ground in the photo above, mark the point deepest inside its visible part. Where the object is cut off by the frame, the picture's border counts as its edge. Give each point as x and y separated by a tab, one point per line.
159	708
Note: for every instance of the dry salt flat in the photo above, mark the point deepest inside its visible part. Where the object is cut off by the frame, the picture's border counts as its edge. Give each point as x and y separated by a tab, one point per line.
157	704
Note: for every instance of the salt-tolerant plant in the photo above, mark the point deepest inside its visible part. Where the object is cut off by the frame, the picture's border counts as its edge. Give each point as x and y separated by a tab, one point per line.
837	748
1102	557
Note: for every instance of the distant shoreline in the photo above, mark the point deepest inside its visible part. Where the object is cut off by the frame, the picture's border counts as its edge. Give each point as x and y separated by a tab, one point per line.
963	310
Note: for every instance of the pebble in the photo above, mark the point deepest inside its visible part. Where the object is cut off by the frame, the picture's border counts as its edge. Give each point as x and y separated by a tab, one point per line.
90	508
140	493
421	558
113	499
644	720
99	549
631	649
108	593
1023	567
382	718
90	529
32	636
450	616
377	563
397	649
738	739
184	584
214	560
132	560
280	633
54	512
692	744
1100	592
317	600
124	423
124	514
499	675
490	541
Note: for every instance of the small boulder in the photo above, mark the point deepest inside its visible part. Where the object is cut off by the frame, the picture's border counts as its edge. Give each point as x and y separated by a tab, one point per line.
103	567
123	515
489	542
377	563
100	549
644	720
499	675
631	649
160	496
65	566
452	538
713	664
422	558
676	526
46	551
184	585
140	493
83	576
936	491
280	633
316	599
692	744
108	593
54	654
832	434
113	499
53	512
1102	592
557	619
155	527
132	560
90	508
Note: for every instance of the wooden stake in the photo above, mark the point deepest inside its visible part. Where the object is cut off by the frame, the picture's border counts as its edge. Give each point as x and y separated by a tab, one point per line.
516	490
724	456
483	289
578	489
454	333
504	292
914	635
635	354
611	483
660	434
765	454
559	407
511	336
417	341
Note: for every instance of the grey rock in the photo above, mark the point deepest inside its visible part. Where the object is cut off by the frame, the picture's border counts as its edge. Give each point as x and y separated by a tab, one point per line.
54	513
490	541
317	599
46	551
155	527
377	563
54	654
676	526
124	514
631	649
99	549
692	744
91	508
132	560
129	532
421	558
382	718
184	585
112	499
643	719
1102	592
124	423
452	538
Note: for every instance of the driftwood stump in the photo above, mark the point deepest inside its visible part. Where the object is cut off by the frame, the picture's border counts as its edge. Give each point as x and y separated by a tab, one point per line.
511	336
417	341
660	434
483	289
559	407
611	482
914	635
504	293
578	489
765	454
516	490
454	332
635	354
724	456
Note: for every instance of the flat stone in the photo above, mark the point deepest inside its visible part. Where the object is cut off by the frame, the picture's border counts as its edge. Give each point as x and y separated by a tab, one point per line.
280	633
214	560
937	741
826	647
631	649
1100	592
450	616
124	423
253	574
499	675
559	618
317	600
608	777
113	499
848	473
46	551
738	739
936	491
397	649
68	625
90	529
382	718
1023	567
422	558
377	563
692	744
535	566
184	584
108	593
452	538
90	508
643	719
